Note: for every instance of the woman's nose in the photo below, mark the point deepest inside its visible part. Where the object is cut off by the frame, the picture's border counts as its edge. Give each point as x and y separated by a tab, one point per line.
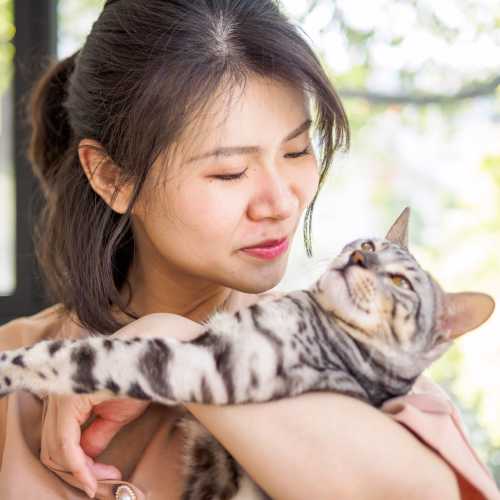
275	198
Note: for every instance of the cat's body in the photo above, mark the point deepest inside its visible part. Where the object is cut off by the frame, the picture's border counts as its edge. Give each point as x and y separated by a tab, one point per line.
367	328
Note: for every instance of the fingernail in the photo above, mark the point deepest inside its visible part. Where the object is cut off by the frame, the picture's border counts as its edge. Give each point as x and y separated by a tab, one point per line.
89	492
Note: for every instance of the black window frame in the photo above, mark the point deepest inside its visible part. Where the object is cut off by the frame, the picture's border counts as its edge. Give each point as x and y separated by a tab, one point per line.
35	43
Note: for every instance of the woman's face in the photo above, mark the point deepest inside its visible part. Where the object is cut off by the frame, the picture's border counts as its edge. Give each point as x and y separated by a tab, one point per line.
191	225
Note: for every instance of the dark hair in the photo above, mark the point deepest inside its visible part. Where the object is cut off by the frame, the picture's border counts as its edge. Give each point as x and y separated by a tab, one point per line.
154	63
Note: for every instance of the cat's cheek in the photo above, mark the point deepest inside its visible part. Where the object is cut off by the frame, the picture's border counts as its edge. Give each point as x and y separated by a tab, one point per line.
332	291
405	326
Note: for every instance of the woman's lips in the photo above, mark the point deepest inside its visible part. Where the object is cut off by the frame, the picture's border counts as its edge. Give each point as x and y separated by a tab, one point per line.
268	252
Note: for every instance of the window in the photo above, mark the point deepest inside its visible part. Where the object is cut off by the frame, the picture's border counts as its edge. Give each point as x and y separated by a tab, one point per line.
7	186
27	40
31	33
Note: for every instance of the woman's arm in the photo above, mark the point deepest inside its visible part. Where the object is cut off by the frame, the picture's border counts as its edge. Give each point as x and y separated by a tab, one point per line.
323	445
317	445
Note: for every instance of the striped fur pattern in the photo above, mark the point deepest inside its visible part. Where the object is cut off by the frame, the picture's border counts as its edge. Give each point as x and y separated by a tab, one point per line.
367	327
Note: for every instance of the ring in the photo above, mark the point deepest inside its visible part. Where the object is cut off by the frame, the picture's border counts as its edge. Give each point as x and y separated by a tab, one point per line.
125	493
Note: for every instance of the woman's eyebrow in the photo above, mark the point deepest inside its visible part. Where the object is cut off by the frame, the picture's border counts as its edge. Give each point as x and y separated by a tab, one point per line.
241	150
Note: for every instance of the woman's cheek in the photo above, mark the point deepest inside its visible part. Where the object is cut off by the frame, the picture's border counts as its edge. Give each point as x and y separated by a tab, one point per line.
212	206
309	182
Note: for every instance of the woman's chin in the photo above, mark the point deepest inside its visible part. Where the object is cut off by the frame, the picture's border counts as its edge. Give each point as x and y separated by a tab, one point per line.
255	284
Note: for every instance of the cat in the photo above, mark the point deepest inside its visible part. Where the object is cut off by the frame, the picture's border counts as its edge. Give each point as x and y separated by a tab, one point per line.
367	328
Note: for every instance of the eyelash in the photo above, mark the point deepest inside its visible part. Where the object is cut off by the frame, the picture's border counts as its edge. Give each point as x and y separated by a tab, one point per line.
243	174
305	152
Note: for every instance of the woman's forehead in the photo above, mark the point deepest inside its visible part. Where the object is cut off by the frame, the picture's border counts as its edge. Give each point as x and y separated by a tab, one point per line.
265	113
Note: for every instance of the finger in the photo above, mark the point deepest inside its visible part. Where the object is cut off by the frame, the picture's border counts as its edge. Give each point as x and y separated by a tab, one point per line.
56	436
103	471
120	409
84	473
65	444
96	437
73	462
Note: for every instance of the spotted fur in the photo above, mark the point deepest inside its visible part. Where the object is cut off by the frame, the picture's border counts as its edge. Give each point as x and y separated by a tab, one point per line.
356	331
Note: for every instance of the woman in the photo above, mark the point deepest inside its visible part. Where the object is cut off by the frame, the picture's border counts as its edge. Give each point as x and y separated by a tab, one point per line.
148	211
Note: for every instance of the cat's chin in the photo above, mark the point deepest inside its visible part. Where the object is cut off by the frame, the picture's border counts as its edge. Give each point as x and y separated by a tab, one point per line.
337	298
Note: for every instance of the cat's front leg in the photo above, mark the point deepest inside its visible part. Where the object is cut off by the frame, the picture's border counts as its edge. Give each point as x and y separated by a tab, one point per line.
247	356
215	368
255	355
158	369
221	366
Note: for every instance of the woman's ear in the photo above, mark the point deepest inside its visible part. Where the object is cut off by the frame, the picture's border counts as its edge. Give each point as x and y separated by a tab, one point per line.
104	175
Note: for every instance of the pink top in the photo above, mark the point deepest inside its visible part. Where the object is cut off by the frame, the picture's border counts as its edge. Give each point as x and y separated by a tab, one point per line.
428	412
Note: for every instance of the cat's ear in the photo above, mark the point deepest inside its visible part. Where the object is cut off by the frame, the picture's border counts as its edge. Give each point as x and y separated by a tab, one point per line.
398	233
463	312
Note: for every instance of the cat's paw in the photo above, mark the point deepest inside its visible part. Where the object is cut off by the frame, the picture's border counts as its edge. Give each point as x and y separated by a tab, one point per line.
17	373
8	361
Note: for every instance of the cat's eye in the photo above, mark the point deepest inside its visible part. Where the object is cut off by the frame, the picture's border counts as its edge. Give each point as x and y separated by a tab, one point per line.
368	246
401	282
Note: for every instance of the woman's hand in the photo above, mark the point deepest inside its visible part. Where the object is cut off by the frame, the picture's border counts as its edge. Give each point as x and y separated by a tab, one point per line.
67	450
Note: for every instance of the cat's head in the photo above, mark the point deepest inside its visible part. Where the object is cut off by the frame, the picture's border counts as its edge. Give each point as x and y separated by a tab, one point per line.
381	296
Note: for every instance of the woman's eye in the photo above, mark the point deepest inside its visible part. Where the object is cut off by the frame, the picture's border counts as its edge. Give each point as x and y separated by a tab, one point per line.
231	177
401	282
235	177
305	152
368	246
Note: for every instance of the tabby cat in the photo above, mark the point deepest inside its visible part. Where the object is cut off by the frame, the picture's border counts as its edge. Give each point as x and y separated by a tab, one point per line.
367	328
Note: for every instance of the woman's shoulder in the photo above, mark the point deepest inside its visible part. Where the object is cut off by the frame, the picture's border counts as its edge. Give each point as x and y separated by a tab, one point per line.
52	322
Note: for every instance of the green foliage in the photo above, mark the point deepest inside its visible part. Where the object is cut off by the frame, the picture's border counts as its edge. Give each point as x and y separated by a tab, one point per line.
354	78
7	32
491	165
447	369
483	444
359	113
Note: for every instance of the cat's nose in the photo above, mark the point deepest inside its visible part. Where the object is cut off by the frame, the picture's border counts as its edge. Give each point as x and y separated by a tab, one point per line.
357	258
362	259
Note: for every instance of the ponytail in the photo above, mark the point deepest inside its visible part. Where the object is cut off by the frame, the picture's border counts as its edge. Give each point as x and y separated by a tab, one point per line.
51	131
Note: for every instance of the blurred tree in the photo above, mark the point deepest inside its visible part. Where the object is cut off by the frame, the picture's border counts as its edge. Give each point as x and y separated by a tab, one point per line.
397	27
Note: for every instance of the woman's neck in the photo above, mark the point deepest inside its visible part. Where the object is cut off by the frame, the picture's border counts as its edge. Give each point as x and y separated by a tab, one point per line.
197	305
187	297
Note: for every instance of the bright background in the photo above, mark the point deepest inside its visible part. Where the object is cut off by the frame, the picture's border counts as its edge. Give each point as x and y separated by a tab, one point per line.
421	86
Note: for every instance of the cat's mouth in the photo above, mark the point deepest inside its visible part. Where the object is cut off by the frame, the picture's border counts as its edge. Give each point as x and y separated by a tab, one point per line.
344	295
360	287
351	294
